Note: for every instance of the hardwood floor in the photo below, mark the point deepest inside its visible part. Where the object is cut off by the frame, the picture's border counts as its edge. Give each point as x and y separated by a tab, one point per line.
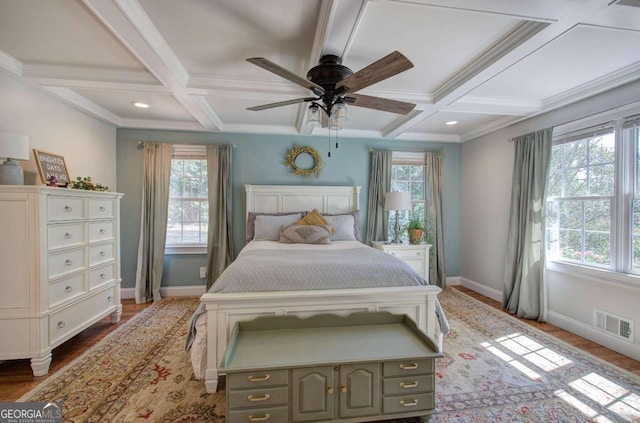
16	378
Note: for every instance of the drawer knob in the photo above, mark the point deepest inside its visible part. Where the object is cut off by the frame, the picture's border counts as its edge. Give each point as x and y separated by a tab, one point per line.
68	289
330	390
102	231
67	235
102	208
419	253
68	262
258	399
409	404
263	418
102	253
393	253
409	366
259	378
343	389
109	298
61	324
413	384
68	209
102	276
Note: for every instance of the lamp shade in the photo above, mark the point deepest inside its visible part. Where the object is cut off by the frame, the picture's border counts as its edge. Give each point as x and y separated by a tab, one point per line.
397	201
14	146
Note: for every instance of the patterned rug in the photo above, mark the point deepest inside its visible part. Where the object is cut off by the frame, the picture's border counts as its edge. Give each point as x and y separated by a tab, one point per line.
495	369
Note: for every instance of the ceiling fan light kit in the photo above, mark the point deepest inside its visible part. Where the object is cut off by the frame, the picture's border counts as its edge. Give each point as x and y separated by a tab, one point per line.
334	85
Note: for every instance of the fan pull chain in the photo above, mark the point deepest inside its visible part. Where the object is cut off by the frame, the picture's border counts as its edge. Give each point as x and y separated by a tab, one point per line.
329	152
336	138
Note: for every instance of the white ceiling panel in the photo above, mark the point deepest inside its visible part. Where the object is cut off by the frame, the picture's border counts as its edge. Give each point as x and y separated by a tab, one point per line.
484	63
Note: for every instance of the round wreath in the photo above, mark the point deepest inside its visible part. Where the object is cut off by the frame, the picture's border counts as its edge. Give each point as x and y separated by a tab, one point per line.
292	155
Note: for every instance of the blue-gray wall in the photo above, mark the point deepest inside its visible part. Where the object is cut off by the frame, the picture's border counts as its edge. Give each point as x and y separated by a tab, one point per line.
257	159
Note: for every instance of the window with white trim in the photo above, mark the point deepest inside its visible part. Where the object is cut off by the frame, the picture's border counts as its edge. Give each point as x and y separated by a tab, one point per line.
593	197
188	213
407	175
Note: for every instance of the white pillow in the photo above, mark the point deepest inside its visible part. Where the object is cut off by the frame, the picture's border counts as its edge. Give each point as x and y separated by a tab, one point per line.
344	227
268	227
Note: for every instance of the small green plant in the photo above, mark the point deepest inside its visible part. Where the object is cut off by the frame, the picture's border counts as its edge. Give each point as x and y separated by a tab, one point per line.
87	184
415	229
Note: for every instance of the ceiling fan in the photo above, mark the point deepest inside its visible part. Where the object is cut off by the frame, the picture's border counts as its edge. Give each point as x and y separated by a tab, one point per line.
334	85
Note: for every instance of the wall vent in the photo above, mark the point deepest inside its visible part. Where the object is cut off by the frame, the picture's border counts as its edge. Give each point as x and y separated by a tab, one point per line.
615	325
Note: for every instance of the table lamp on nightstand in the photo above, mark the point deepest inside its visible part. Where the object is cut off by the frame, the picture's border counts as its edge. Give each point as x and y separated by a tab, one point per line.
12	147
397	201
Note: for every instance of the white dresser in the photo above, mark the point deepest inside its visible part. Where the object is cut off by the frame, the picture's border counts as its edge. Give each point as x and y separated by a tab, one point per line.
415	255
59	267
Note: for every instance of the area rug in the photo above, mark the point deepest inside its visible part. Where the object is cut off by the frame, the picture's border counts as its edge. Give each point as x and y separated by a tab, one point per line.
495	369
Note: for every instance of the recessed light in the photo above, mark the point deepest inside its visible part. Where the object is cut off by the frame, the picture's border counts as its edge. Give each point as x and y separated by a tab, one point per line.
451	122
140	104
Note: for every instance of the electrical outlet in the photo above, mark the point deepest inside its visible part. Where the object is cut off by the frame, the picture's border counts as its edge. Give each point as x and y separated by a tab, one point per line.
203	272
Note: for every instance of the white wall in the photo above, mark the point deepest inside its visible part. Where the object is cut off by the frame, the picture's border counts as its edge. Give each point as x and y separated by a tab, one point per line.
487	166
88	145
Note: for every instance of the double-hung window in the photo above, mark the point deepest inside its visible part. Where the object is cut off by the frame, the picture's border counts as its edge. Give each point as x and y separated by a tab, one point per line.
593	198
188	214
408	175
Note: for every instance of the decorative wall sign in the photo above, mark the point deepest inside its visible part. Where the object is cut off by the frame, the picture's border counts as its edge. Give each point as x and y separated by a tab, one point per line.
51	167
295	152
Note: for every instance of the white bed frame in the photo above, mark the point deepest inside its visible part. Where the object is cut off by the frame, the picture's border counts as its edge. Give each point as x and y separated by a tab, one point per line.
224	310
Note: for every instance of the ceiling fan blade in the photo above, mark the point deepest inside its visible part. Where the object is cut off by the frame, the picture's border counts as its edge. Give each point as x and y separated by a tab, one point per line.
379	103
281	103
384	68
279	70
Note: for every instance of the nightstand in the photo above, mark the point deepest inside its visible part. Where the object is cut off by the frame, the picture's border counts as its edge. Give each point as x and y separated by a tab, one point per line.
415	255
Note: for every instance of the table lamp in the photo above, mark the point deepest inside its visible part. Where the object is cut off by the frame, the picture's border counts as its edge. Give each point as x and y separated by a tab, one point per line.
13	147
397	201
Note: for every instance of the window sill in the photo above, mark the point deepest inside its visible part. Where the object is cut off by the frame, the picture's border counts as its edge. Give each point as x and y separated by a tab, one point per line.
593	273
183	249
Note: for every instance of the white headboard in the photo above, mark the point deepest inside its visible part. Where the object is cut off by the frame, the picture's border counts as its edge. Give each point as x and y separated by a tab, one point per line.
291	198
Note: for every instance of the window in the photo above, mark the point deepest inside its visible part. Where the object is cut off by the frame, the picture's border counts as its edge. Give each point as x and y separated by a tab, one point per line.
593	198
188	201
407	174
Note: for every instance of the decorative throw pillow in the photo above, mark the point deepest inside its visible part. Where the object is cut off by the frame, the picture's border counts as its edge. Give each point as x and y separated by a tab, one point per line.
356	222
343	225
251	221
313	218
306	234
268	227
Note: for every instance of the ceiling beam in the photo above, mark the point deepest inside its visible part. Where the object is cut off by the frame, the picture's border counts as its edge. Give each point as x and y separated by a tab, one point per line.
85	105
130	24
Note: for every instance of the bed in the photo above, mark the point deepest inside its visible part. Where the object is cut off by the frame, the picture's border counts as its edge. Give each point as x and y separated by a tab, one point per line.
219	311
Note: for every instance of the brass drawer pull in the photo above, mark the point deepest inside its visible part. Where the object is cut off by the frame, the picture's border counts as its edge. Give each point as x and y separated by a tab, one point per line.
413	384
262	418
330	390
259	378
409	404
343	389
409	366
256	399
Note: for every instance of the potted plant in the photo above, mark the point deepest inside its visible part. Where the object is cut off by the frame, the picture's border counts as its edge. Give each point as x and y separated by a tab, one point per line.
415	228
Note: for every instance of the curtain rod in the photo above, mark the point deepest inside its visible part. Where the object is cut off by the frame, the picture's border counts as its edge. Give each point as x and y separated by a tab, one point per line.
408	151
141	144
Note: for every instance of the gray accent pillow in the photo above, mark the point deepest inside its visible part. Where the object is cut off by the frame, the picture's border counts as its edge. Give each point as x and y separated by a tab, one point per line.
356	222
344	226
251	221
267	228
306	234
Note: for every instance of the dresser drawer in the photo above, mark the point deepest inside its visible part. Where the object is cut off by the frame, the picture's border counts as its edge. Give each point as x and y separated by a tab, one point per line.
405	253
64	262
101	253
410	367
407	403
101	231
408	385
101	276
68	235
265	415
416	264
66	289
258	379
70	319
264	397
64	208
102	208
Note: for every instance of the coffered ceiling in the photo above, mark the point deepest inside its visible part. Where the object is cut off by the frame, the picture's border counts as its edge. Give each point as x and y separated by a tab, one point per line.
483	63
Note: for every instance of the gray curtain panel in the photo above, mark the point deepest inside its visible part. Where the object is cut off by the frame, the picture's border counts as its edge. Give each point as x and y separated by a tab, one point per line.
220	242
153	221
379	184
433	215
524	290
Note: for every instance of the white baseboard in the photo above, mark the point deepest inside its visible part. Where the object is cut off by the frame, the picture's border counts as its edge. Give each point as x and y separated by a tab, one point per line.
453	280
492	293
170	291
588	332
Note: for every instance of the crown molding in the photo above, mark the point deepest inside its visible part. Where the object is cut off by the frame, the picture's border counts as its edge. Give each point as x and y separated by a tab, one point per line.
496	106
491	127
403	123
84	105
168	125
